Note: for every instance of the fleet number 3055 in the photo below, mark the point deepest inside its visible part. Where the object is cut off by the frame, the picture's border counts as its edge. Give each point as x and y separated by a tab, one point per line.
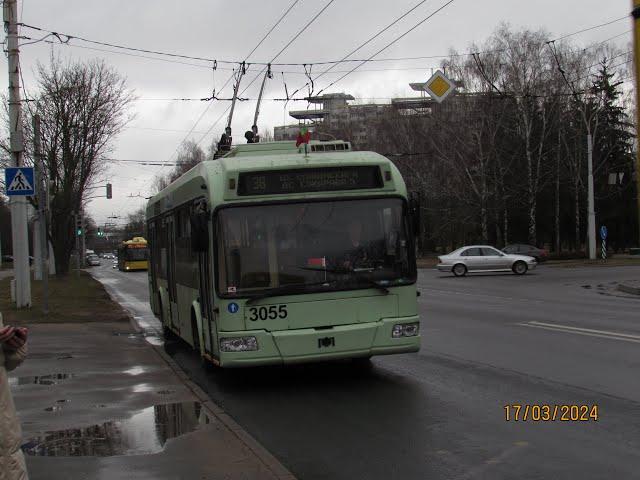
270	312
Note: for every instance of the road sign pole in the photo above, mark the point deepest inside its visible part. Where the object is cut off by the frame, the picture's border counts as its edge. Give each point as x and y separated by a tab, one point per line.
20	237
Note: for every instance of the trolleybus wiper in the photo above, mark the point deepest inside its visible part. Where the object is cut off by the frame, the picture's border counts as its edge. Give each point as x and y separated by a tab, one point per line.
347	270
285	290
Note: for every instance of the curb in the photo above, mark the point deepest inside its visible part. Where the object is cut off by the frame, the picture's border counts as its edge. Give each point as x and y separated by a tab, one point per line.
214	410
623	287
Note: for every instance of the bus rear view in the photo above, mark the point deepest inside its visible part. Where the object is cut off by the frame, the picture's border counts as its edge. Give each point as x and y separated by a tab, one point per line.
309	261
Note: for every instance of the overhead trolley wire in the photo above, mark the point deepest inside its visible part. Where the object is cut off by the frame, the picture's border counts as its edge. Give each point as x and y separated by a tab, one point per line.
65	39
293	39
397	39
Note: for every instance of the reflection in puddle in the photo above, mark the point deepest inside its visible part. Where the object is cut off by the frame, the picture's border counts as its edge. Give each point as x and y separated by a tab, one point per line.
135	370
155	340
146	432
40	380
143	387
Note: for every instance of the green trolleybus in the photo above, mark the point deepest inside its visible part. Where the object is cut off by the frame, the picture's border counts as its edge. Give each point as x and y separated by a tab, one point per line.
269	255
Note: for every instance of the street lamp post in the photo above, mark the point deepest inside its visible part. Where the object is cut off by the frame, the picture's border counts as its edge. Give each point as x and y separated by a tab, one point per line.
636	49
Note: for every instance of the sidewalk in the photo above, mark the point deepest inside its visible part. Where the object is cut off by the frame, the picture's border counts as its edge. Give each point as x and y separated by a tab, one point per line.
98	401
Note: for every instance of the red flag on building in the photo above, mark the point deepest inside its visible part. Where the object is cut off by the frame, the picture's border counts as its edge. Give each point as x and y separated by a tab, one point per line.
304	135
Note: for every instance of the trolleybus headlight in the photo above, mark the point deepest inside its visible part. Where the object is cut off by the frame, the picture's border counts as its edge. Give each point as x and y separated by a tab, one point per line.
405	330
239	344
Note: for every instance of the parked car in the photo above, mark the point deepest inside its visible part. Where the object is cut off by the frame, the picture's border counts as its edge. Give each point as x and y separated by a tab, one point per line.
93	260
484	258
9	259
539	254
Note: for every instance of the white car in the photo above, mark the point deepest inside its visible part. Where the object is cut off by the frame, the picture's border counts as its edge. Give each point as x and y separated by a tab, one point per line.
93	260
484	258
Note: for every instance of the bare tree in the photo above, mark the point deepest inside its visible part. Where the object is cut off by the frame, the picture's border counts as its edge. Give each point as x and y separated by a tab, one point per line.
135	224
189	156
83	107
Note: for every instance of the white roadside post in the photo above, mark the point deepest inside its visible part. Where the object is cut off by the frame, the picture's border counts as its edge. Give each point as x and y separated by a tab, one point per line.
603	237
41	233
20	238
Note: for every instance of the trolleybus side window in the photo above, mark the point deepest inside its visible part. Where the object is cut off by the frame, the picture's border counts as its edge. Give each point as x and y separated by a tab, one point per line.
186	260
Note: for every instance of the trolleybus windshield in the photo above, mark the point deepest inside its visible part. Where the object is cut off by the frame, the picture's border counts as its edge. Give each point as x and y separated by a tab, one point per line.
136	254
314	246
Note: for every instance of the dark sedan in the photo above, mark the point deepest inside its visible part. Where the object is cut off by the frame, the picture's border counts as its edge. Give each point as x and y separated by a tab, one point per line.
539	254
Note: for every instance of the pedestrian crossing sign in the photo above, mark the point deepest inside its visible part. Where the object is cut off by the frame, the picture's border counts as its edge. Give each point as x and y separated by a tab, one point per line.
19	181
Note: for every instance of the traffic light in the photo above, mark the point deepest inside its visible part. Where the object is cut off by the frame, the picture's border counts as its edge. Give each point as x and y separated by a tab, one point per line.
78	225
109	191
100	233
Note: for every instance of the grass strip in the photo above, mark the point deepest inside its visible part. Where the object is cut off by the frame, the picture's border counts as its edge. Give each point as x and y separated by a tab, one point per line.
72	299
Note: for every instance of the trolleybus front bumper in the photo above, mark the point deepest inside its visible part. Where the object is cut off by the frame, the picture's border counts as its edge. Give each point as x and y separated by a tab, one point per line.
318	344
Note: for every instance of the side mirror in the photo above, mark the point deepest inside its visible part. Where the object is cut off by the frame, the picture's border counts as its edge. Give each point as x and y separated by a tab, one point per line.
199	232
414	215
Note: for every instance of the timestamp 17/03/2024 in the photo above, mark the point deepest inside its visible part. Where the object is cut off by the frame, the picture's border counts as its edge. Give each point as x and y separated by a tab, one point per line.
518	412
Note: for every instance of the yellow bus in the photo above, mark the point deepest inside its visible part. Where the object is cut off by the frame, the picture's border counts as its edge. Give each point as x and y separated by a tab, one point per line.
133	255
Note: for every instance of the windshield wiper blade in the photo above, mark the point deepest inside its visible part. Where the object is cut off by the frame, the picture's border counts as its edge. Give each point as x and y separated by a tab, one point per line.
285	290
345	270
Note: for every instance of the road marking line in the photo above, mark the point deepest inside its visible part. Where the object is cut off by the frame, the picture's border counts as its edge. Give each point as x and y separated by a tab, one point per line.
590	330
606	335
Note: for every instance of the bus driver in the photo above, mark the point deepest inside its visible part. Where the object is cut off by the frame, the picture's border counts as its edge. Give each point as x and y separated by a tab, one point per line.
358	253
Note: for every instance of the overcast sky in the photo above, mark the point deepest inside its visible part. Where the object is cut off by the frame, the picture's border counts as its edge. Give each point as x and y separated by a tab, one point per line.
228	30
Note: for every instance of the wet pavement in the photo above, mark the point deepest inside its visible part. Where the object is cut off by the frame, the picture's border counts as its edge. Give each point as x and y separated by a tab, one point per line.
488	341
98	401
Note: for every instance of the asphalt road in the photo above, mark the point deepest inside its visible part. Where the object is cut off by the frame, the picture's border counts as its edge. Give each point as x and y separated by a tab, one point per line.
557	336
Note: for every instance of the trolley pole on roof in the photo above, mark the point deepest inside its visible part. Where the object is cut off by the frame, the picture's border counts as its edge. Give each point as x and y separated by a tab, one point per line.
236	87
264	80
20	239
636	49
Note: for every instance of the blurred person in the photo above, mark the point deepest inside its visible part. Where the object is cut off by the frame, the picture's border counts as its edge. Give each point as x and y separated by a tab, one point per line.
359	253
13	351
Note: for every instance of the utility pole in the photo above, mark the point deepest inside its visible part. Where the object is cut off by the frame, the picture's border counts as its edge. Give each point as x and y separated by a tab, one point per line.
591	221
636	56
42	212
18	203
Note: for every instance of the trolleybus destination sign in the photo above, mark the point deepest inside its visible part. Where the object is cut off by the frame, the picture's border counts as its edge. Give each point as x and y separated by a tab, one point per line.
309	180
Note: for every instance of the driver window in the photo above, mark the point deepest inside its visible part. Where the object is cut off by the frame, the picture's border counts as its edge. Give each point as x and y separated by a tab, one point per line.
490	252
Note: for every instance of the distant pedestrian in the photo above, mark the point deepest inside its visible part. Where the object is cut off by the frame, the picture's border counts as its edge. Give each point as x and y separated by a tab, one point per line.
13	350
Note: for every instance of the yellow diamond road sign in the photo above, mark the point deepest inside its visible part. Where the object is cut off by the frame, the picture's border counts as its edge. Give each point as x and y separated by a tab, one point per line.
439	86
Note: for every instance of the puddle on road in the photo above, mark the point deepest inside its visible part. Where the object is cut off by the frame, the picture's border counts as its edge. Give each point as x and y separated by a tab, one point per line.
146	432
53	379
150	337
